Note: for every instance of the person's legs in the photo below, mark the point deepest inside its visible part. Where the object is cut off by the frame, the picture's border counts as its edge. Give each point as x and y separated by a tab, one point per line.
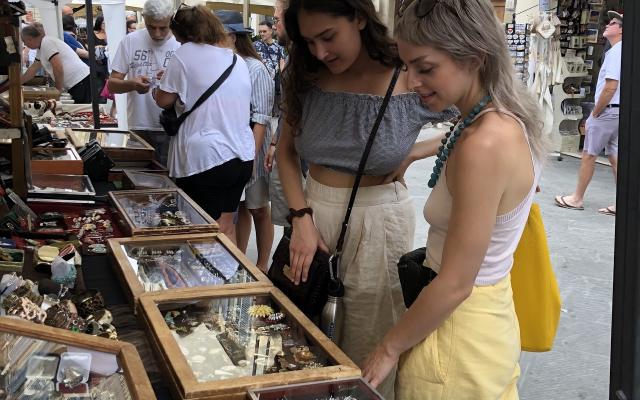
243	227
264	236
595	141
227	227
81	91
257	202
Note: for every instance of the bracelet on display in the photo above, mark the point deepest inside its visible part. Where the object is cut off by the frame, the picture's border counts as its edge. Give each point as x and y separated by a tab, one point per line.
298	213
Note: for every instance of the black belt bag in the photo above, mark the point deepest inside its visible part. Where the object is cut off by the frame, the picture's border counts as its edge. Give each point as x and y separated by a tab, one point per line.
414	276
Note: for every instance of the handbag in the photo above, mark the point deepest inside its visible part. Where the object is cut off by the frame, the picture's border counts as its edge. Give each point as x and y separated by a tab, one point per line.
535	290
311	296
169	118
414	276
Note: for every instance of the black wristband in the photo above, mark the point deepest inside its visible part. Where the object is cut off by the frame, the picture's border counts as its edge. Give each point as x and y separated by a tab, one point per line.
298	213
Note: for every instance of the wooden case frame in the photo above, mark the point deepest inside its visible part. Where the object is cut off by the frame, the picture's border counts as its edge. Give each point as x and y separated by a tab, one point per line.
58	167
129	227
183	383
129	180
131	283
127	355
118	153
306	389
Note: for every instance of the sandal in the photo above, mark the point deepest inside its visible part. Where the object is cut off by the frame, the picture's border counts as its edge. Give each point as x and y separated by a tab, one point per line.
608	211
561	202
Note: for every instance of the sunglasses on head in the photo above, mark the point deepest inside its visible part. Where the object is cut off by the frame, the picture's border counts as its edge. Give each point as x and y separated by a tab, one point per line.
424	7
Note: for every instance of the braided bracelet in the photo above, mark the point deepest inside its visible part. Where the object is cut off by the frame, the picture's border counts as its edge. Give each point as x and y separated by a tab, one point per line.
298	213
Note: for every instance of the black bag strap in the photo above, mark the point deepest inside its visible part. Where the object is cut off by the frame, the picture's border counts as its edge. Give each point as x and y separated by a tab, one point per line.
209	91
356	183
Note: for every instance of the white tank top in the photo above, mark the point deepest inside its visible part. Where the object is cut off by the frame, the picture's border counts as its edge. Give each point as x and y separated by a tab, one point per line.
506	233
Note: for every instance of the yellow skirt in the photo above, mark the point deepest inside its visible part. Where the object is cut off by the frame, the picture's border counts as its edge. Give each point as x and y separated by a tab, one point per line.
473	355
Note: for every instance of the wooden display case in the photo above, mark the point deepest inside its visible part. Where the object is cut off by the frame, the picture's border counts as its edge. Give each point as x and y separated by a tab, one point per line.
34	93
241	351
144	180
143	212
65	161
333	389
116	174
37	358
183	255
119	145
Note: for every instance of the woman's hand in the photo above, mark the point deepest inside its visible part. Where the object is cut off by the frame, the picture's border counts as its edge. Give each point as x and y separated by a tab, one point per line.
378	364
305	240
398	174
268	160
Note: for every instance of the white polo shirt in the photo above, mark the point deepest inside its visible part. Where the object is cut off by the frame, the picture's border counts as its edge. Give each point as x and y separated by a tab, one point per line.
74	69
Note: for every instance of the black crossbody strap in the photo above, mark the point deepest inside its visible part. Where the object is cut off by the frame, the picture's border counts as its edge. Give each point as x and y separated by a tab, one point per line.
209	91
363	162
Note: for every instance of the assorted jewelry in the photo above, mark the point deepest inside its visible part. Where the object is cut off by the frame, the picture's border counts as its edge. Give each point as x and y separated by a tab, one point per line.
186	265
452	137
235	337
156	212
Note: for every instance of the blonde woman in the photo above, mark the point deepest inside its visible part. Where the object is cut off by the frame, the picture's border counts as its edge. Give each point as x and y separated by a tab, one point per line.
460	338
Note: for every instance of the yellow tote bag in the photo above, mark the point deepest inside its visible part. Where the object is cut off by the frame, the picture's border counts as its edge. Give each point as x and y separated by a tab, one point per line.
535	290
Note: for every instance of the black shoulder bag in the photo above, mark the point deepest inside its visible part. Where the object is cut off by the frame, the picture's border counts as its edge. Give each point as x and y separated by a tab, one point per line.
170	120
323	277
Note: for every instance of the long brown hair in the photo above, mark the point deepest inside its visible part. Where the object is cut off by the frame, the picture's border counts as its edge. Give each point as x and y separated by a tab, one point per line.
245	48
303	68
197	25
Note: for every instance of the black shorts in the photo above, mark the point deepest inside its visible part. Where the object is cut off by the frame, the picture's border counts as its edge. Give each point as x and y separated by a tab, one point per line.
81	91
218	190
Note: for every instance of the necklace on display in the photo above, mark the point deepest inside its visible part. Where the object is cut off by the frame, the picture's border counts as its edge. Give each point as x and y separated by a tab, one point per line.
452	137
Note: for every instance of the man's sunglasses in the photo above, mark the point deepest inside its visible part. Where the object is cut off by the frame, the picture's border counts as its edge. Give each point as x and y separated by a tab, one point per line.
424	7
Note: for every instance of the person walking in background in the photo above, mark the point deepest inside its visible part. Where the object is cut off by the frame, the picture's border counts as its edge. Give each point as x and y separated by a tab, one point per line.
100	42
273	55
212	154
279	207
138	65
256	199
602	124
69	27
132	26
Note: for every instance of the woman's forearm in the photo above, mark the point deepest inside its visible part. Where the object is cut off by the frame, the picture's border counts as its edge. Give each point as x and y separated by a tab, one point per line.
288	164
433	306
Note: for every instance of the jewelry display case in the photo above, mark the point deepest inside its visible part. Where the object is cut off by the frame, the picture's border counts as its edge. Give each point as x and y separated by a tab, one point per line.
119	145
219	343
338	389
160	212
64	188
65	161
116	174
41	362
143	180
149	264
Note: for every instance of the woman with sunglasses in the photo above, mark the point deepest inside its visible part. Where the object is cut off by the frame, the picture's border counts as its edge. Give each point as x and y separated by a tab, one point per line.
340	66
212	154
460	338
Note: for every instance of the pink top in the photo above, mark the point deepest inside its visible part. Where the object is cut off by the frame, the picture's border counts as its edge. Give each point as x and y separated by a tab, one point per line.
506	234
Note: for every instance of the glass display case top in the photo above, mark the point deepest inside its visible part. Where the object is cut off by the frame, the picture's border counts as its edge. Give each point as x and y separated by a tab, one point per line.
152	210
147	180
180	265
38	369
106	139
53	154
61	184
235	337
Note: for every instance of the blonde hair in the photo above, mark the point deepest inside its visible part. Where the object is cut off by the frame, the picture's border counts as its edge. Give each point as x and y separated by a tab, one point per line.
474	33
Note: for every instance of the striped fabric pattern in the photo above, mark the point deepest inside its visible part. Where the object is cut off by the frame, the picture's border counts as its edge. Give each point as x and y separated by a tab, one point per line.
262	97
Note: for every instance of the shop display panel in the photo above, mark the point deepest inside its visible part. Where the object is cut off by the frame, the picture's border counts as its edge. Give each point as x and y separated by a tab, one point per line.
343	389
219	343
46	363
61	187
159	211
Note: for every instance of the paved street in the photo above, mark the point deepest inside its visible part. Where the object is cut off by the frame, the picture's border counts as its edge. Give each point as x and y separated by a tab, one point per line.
581	245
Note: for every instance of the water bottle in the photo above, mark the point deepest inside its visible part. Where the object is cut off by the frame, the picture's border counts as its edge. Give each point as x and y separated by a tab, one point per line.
332	316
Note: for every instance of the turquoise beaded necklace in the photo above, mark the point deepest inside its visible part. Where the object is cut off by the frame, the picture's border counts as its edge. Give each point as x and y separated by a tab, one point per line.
451	138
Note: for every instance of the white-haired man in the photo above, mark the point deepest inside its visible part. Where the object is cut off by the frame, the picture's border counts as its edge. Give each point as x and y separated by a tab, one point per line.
140	61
